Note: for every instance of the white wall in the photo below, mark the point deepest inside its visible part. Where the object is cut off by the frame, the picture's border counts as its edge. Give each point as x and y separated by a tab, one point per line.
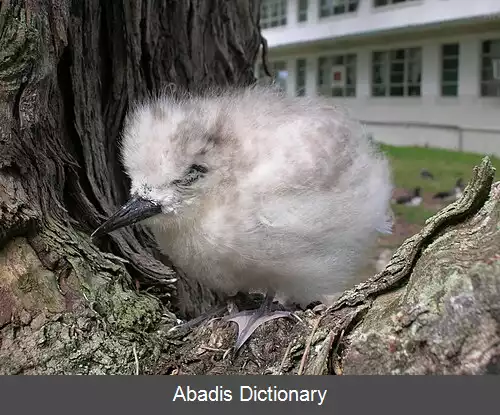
467	122
369	19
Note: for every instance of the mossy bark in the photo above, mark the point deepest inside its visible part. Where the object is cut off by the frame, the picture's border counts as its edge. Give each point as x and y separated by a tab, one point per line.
68	71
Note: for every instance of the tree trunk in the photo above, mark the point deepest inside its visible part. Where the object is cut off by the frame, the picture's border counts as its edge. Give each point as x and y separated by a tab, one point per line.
68	71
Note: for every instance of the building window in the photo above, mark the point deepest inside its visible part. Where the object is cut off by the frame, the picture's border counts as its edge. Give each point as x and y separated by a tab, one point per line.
302	10
397	73
278	71
273	13
336	7
449	69
490	68
337	76
300	77
381	3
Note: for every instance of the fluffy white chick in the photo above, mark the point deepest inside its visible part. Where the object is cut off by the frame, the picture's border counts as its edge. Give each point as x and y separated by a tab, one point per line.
250	189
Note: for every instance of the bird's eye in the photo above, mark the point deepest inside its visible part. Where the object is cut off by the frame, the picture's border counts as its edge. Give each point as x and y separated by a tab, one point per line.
194	172
198	168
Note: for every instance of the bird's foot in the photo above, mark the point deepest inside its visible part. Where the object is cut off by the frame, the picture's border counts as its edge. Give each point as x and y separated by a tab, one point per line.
232	305
249	321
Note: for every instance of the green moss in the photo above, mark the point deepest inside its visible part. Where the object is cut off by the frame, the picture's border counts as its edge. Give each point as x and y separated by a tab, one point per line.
129	311
20	46
26	282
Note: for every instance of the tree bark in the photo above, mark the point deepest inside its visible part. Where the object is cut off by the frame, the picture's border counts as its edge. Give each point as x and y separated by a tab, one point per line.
68	71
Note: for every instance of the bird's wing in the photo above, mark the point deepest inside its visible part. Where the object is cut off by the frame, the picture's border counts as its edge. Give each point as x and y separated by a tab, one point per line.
312	213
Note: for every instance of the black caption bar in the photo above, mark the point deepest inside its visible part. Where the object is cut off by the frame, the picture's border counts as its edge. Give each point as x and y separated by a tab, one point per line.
266	394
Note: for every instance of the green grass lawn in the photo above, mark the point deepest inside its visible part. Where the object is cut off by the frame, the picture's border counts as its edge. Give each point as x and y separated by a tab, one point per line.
446	166
414	214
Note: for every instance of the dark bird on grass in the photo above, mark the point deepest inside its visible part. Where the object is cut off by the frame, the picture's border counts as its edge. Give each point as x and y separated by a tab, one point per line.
248	189
452	194
426	174
413	199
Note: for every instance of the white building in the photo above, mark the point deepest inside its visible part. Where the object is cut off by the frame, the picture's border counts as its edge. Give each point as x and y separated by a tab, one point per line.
416	72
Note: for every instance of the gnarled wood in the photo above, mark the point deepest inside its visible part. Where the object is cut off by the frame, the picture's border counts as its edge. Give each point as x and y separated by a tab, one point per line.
68	72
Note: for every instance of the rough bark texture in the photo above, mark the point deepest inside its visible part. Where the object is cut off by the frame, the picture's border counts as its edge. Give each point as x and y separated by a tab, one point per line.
68	71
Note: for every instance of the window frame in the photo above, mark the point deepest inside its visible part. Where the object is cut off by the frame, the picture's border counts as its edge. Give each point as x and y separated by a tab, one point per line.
392	3
483	83
302	10
350	61
387	64
456	57
270	21
328	9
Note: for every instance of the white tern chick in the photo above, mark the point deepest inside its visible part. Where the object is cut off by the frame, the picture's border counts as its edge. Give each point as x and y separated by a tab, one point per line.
250	189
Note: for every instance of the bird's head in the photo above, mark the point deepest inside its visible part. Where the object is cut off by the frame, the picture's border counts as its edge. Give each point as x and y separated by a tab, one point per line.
171	152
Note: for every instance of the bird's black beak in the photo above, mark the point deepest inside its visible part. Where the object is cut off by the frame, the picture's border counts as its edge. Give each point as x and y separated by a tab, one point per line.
135	210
